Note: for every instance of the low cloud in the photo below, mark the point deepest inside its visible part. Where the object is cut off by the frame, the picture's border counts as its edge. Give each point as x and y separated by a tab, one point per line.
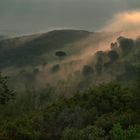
126	23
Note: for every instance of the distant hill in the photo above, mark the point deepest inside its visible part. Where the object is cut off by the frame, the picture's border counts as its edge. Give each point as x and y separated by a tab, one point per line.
27	50
69	60
70	85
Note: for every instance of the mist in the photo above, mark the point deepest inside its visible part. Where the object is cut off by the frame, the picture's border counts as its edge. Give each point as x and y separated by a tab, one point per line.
20	17
125	23
70	69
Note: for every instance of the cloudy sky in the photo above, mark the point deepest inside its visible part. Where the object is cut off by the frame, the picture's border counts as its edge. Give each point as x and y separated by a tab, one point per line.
30	16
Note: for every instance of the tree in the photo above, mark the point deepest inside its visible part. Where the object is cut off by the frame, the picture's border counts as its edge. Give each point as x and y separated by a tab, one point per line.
114	46
99	64
71	134
88	133
5	93
113	55
125	44
60	54
118	133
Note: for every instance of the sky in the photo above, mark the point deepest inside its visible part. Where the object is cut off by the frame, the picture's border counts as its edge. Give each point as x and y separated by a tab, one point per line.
32	16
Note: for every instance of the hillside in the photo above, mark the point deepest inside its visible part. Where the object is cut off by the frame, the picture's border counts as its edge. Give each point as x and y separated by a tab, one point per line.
68	60
70	85
28	50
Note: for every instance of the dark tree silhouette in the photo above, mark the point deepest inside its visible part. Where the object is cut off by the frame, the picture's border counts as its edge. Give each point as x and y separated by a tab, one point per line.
113	55
125	44
60	54
5	93
114	46
99	63
99	54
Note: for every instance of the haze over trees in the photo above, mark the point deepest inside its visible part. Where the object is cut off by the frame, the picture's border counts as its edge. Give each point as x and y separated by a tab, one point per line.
72	99
125	44
107	112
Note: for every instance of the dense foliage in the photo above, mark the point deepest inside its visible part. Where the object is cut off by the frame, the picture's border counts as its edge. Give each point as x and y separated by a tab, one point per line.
104	112
109	111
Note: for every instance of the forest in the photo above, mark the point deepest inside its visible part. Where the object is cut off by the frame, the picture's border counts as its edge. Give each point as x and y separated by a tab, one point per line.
104	112
70	97
69	69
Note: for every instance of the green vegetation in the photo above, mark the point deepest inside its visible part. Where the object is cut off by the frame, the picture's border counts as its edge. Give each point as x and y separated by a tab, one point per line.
113	55
5	93
70	100
104	112
60	59
126	44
